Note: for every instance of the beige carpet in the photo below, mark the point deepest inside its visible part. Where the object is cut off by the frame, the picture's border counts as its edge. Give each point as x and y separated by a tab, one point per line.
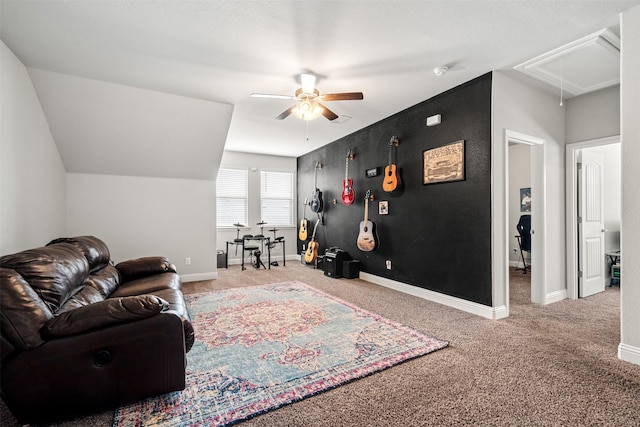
552	365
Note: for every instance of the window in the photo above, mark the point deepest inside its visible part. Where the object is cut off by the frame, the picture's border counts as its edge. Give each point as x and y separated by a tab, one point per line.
231	197
276	198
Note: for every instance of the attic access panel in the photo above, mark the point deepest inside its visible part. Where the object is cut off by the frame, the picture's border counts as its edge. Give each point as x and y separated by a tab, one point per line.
585	65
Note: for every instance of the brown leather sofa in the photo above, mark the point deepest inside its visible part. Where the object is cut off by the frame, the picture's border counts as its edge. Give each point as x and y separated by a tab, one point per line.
79	334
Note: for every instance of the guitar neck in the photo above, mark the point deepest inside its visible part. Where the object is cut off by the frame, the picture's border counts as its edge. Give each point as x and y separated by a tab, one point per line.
315	227
346	169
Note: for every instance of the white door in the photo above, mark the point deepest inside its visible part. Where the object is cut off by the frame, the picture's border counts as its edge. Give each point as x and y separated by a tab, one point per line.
591	225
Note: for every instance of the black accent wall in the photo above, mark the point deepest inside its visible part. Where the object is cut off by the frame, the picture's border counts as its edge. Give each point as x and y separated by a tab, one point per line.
437	236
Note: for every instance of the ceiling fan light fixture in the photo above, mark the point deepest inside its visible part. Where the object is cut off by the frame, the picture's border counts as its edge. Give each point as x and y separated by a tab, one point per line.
307	110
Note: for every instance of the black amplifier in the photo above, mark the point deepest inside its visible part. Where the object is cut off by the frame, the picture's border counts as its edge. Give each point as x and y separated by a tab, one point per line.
334	259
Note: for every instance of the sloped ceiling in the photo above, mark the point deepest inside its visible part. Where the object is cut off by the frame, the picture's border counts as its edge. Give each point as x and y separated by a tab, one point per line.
107	128
207	57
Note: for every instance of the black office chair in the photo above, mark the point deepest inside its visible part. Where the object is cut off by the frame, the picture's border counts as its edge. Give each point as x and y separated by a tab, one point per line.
524	240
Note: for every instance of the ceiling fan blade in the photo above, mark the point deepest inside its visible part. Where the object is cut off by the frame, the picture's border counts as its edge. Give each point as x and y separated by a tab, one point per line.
270	95
285	113
330	115
346	96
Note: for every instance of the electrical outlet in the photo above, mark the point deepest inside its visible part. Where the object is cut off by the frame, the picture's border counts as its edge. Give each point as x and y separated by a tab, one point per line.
388	264
187	261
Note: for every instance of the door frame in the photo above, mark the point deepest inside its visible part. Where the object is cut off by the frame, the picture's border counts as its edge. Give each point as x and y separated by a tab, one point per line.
571	208
538	213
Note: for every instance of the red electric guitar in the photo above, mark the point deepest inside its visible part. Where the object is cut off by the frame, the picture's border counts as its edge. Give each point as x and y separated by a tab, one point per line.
348	193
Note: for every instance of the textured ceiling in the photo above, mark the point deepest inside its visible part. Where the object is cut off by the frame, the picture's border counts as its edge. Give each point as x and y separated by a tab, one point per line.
222	51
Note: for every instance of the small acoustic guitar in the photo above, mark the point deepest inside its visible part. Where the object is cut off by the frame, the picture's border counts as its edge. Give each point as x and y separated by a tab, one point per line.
302	234
312	250
316	199
391	173
367	239
348	193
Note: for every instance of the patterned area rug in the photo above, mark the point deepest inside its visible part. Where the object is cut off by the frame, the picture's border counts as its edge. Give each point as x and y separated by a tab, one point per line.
262	347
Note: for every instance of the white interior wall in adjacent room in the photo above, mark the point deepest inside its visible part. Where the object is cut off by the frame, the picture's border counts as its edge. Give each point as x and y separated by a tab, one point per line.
139	216
32	176
519	177
254	163
629	348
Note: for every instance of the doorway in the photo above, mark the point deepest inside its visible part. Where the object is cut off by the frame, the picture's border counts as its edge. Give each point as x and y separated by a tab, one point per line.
611	229
538	226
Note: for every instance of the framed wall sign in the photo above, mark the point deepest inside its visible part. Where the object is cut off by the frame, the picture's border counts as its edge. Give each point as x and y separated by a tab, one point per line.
443	164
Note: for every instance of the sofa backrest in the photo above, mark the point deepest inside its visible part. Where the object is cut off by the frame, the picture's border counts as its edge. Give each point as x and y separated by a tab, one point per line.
55	272
94	250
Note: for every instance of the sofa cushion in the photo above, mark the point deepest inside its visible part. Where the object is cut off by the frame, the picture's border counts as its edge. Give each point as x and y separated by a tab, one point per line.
105	313
94	250
105	280
54	272
23	312
87	295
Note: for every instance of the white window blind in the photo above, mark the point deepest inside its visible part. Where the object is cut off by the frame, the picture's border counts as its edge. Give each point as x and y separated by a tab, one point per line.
276	198
232	197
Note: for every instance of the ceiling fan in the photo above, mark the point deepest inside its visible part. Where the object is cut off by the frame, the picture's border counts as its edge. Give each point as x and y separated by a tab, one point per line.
309	100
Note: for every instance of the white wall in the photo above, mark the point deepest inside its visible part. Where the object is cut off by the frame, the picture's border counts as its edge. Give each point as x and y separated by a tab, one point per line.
519	177
525	109
254	163
629	348
32	176
138	216
593	115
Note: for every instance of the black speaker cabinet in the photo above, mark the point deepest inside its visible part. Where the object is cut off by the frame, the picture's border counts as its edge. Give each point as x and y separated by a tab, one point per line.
351	269
334	258
221	259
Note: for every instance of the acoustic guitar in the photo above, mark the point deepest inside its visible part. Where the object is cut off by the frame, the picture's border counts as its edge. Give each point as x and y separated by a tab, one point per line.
348	193
391	173
312	250
316	199
367	238
302	234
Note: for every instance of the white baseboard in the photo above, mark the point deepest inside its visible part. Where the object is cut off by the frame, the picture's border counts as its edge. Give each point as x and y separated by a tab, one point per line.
493	313
199	276
629	353
555	296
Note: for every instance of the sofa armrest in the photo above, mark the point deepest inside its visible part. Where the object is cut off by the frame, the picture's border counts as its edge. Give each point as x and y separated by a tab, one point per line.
146	266
104	314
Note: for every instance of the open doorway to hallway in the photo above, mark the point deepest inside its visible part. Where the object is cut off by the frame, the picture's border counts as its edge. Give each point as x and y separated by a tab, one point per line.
520	202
